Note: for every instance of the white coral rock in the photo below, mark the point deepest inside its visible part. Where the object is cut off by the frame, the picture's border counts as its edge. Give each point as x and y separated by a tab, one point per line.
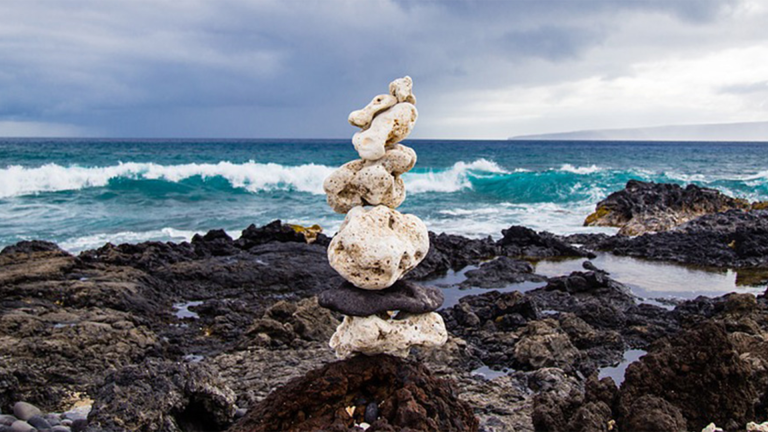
389	127
362	182
362	118
373	335
402	89
376	246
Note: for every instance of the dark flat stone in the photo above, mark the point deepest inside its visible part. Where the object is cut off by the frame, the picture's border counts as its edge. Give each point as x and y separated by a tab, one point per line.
404	296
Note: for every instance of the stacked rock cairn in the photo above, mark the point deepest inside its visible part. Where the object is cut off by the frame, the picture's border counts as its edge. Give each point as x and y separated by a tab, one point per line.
376	245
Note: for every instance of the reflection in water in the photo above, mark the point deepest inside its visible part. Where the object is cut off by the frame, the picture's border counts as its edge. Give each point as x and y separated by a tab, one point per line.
450	286
617	372
653	279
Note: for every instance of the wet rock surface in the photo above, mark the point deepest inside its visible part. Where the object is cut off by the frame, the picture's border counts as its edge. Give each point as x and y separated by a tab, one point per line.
735	239
337	397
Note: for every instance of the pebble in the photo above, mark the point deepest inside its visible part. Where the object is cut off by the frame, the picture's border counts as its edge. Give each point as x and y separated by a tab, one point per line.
60	429
53	418
39	422
25	411
7	420
241	412
66	422
4	428
21	426
371	412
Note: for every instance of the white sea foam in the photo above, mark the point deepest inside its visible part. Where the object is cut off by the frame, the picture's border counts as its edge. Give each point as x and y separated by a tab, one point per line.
252	176
491	219
453	179
91	241
581	170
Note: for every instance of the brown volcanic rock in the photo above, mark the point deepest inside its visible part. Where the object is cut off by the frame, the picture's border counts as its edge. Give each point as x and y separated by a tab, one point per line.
408	398
646	206
700	373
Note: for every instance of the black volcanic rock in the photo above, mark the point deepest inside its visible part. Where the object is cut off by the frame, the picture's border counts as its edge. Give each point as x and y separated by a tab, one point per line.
519	241
501	272
452	252
735	239
405	296
646	206
274	231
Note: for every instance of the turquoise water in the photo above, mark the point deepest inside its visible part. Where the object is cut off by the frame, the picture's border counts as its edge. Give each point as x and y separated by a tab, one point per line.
83	193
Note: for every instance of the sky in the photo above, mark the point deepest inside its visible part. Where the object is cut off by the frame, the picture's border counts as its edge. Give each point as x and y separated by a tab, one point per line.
482	69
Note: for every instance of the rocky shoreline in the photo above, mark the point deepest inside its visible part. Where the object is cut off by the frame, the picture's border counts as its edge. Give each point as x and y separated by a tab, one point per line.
192	336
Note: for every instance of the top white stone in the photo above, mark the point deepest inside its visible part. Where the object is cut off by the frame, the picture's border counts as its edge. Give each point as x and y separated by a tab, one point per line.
402	89
386	120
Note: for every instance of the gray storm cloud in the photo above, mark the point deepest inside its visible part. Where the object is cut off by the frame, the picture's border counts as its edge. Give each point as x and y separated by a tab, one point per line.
483	69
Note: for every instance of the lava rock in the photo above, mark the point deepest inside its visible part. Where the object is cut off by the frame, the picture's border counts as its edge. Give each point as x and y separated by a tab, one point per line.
404	296
162	395
643	207
699	372
410	398
519	241
500	273
734	239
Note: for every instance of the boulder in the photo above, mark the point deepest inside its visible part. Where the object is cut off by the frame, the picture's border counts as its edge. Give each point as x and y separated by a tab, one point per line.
362	182
337	396
373	335
375	247
643	207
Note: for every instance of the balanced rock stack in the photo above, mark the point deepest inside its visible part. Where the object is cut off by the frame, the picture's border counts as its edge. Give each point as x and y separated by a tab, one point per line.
376	245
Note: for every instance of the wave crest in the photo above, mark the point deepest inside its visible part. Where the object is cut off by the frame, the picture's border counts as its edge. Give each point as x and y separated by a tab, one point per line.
252	176
455	178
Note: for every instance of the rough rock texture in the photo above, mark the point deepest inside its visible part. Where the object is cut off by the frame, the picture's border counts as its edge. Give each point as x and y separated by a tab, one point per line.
168	396
500	273
407	395
643	207
65	321
375	247
402	89
361	182
362	118
289	323
404	296
373	335
388	128
700	373
735	239
447	251
522	242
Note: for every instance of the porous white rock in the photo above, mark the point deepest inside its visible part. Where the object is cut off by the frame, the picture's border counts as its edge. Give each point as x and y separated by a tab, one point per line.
402	89
754	427
387	128
362	118
362	182
373	335
376	246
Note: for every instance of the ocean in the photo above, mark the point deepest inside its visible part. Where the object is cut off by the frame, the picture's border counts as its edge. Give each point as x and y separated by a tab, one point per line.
82	193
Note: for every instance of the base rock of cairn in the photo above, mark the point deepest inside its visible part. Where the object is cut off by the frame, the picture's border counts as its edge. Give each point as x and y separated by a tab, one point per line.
388	393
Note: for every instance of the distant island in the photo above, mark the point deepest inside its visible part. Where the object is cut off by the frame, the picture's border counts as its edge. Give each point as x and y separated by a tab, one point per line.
752	131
